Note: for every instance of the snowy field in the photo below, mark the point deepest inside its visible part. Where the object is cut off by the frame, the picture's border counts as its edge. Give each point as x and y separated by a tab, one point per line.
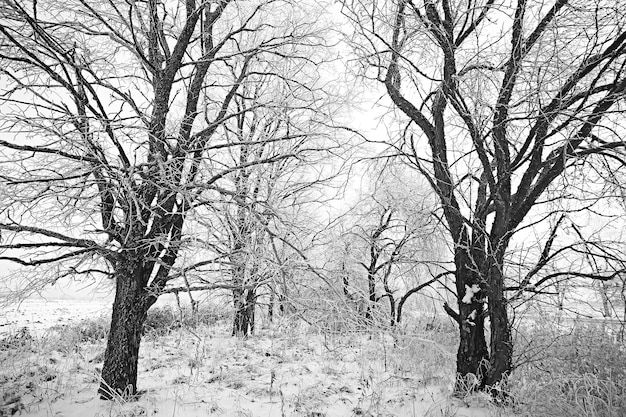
39	315
286	369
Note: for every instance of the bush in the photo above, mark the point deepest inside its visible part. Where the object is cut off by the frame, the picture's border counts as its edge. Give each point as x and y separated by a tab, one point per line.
578	371
207	315
576	396
590	350
162	320
92	330
67	337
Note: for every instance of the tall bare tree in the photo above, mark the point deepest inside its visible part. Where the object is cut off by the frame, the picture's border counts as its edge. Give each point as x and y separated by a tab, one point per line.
113	123
274	117
263	194
501	100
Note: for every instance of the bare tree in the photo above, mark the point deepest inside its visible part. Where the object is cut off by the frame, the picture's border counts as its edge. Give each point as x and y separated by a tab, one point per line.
394	242
501	101
288	117
113	118
264	201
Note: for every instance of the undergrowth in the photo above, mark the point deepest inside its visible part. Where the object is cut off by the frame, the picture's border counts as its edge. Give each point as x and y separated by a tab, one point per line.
577	371
38	369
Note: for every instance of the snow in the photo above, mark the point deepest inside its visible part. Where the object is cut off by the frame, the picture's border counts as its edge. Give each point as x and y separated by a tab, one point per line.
469	293
38	315
285	370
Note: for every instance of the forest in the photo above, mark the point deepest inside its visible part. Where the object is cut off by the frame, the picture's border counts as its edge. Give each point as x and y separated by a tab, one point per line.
418	204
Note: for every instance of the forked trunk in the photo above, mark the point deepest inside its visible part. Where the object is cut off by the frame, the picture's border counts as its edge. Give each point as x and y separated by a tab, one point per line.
119	372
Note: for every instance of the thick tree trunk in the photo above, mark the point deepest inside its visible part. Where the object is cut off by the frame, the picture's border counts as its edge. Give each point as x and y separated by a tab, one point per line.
245	301
472	356
119	372
500	364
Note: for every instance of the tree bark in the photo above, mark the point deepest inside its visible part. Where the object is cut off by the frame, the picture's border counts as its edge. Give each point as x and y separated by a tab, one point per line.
250	309
119	372
270	306
472	354
369	313
501	344
245	302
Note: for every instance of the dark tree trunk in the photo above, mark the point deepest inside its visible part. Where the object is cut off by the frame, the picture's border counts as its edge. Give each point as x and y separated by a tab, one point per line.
270	306
373	267
501	344
119	372
472	356
245	301
369	311
399	310
389	293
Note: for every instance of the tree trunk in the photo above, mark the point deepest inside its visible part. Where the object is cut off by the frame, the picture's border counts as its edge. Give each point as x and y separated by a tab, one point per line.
245	300
472	356
250	307
501	344
392	310
606	303
369	313
119	372
270	306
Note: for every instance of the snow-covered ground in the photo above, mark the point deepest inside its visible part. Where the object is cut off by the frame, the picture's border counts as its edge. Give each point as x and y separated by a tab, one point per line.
38	315
287	369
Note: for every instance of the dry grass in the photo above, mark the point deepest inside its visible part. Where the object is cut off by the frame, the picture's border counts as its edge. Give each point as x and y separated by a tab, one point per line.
191	366
36	371
577	370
